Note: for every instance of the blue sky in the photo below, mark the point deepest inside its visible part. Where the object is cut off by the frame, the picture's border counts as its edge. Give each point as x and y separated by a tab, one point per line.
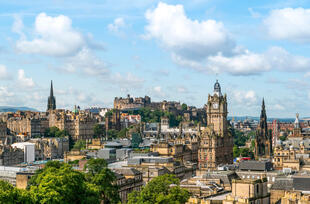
173	50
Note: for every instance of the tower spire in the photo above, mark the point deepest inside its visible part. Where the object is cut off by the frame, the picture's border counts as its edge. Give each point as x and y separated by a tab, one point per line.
51	101
51	90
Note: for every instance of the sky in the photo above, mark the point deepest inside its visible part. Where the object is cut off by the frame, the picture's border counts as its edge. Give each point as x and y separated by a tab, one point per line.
173	50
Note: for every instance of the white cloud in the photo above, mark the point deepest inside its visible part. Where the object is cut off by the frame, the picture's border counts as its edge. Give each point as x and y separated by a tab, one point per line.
85	62
6	96
18	26
289	24
127	81
54	36
4	73
244	98
23	81
207	47
117	24
185	37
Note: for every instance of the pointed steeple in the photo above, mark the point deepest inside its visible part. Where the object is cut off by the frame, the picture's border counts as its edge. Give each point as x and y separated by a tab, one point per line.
51	90
51	101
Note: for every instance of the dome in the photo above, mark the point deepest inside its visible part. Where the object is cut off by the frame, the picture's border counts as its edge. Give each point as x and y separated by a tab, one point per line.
217	88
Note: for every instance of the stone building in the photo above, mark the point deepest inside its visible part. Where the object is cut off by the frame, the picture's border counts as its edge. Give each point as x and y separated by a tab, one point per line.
248	191
291	190
50	148
216	141
10	156
128	180
152	167
292	154
3	131
131	103
263	140
32	124
185	151
78	124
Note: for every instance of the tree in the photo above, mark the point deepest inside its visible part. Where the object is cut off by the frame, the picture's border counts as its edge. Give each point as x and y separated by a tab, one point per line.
80	144
103	180
112	134
59	183
10	194
98	130
184	107
55	132
236	151
122	133
162	189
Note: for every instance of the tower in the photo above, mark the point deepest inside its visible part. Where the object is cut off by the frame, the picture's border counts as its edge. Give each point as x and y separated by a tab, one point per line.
297	128
51	101
263	140
216	142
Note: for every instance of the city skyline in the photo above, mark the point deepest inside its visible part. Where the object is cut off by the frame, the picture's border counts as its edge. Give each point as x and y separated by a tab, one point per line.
95	52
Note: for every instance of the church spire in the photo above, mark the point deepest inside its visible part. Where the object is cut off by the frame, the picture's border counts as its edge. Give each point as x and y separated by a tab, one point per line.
51	90
51	101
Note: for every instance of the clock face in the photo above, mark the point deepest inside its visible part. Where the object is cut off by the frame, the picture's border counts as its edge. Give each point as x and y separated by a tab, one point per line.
215	105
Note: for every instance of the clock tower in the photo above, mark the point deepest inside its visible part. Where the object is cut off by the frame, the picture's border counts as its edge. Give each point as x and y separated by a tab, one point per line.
216	109
216	142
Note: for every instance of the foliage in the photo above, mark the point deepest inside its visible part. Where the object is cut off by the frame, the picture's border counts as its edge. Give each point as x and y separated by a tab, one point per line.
283	137
103	180
59	183
122	133
136	140
98	131
112	134
244	152
159	190
154	116
10	194
184	107
80	144
55	132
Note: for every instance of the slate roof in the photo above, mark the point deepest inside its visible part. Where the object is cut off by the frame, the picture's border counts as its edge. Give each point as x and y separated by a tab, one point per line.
255	165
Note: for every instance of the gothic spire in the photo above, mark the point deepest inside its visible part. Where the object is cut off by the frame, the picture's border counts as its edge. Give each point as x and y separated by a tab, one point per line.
51	101
51	90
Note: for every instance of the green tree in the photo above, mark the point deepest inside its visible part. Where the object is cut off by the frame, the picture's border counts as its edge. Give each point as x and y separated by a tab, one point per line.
98	130
162	189
80	144
236	151
59	183
103	180
122	133
283	137
55	132
184	107
112	134
10	194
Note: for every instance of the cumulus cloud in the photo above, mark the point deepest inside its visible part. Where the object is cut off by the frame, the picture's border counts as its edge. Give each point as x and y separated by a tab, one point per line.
85	62
185	37
24	81
54	36
117	24
245	98
207	46
289	24
127	81
4	73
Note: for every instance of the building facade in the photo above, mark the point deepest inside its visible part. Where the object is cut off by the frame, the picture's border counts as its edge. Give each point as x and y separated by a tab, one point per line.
263	140
216	141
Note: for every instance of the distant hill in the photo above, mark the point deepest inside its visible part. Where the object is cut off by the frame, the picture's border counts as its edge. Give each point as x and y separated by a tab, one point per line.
242	118
14	109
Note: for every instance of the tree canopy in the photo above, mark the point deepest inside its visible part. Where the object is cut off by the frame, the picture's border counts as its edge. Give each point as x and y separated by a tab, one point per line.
162	189
59	183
